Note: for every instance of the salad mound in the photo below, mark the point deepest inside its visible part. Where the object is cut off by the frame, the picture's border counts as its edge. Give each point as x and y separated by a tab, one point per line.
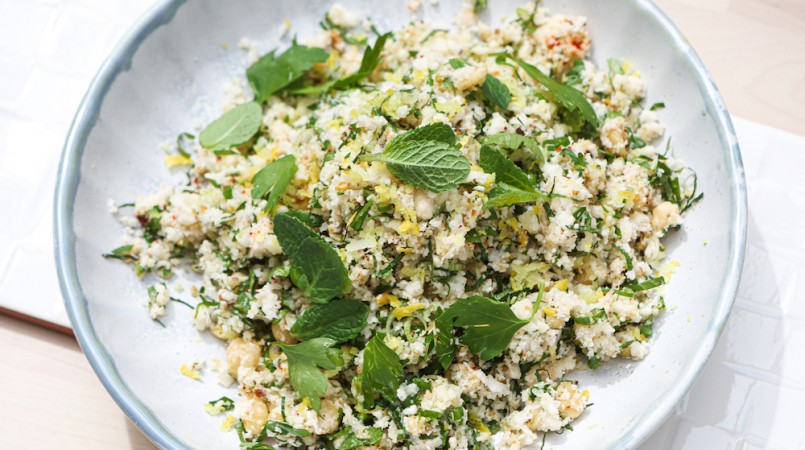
410	239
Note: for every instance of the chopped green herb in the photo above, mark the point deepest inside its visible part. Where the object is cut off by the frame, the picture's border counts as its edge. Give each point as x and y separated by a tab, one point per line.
282	428
651	283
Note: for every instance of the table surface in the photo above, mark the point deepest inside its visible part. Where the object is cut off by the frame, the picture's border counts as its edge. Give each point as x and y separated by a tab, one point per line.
755	50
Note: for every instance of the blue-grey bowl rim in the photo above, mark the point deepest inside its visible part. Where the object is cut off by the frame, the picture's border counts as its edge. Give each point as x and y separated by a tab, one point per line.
141	416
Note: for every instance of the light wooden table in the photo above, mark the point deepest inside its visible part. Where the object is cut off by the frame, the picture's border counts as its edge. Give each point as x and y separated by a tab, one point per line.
50	398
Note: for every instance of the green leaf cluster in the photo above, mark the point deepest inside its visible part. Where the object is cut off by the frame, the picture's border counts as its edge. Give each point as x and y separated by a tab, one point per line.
271	73
371	59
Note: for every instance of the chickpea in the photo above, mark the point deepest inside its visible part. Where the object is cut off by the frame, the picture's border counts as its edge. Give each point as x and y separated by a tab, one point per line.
571	401
664	215
282	334
468	77
255	418
242	353
328	417
613	135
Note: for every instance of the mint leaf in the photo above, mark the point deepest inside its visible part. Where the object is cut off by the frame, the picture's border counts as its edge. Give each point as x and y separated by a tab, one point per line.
513	141
316	268
233	128
270	74
282	428
382	369
496	92
488	325
440	132
304	361
339	320
273	179
568	97
427	158
494	161
506	195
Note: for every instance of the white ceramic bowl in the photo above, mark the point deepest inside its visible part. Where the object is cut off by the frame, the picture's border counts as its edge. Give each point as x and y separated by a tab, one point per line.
171	70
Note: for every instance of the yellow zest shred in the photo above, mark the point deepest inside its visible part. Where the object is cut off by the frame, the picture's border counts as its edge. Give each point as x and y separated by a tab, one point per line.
405	311
189	372
408	227
177	160
227	424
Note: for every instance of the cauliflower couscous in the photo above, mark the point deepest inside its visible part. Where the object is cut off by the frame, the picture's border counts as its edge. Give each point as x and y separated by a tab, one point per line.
409	240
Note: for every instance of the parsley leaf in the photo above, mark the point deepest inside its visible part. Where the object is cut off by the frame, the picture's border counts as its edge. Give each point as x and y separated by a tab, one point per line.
304	361
274	177
316	267
496	92
382	369
270	74
426	157
339	320
233	128
488	326
568	97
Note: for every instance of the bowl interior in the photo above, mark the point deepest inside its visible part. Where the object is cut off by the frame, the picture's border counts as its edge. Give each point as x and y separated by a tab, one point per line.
172	72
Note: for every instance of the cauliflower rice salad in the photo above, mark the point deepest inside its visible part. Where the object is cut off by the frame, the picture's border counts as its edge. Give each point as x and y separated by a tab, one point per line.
408	240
